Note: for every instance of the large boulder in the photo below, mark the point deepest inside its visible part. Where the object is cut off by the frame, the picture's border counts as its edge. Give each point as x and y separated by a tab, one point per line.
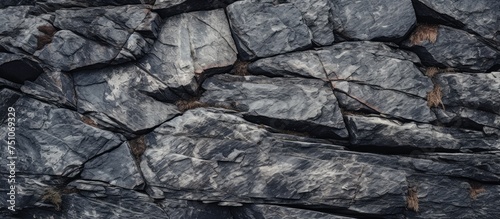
57	140
214	155
295	104
359	73
123	97
374	20
475	91
188	45
384	133
168	8
468	53
263	29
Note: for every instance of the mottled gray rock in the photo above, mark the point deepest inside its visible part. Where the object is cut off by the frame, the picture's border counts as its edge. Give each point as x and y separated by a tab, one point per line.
279	212
480	16
112	25
221	157
188	45
168	8
8	97
123	96
6	3
57	4
445	197
354	96
300	104
105	168
463	116
17	69
359	73
214	156
317	16
20	31
69	51
379	20
263	29
468	53
53	87
476	91
378	132
54	139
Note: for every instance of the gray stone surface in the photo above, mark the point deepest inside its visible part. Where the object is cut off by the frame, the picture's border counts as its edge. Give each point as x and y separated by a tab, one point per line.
167	8
54	139
123	97
463	116
381	19
69	51
57	4
53	87
188	45
379	132
359	73
279	212
264	29
8	97
105	168
467	54
480	16
302	105
19	32
476	91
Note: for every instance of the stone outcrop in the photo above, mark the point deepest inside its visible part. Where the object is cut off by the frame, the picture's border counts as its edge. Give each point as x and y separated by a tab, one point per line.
249	109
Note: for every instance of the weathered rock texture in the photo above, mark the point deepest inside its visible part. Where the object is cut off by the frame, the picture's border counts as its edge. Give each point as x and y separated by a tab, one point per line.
250	109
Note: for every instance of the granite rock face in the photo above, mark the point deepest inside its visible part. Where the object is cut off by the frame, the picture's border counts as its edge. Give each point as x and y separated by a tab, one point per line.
249	109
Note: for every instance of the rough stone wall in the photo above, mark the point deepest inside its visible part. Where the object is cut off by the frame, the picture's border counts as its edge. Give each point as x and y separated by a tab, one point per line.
253	109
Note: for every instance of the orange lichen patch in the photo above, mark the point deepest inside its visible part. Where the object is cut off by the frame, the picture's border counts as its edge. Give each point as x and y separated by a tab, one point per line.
240	68
89	121
137	147
412	199
475	189
424	32
434	98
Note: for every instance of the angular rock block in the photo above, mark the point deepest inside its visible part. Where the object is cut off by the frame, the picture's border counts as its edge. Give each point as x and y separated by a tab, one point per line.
366	76
467	117
214	156
378	132
374	20
188	45
168	8
105	168
69	51
53	87
20	31
297	104
55	139
8	97
263	29
53	5
475	91
468	53
479	16
122	96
